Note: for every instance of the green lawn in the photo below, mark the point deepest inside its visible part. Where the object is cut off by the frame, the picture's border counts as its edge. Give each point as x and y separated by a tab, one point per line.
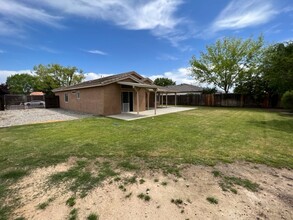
205	136
202	136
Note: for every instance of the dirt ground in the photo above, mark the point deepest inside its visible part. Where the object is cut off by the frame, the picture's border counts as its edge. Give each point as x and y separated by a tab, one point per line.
274	200
37	115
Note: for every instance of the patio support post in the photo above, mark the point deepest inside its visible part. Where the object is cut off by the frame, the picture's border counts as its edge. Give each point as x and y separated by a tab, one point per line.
156	95
155	101
166	100
148	95
175	99
137	99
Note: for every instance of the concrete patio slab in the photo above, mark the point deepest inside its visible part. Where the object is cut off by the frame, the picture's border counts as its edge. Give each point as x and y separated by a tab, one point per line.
130	116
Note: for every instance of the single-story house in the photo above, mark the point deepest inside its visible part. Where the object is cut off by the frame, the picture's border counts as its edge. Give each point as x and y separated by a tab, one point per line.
110	95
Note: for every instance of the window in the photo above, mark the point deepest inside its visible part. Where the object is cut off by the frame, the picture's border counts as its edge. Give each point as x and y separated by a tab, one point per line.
66	97
78	95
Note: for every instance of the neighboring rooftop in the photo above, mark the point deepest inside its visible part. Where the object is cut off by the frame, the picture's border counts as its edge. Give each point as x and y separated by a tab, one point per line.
37	93
184	88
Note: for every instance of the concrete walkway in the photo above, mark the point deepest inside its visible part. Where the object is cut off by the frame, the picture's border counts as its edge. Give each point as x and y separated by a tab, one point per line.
130	116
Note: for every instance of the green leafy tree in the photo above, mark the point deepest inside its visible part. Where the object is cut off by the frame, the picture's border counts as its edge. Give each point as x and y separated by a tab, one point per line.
287	100
23	83
164	82
277	67
208	90
254	85
226	62
54	75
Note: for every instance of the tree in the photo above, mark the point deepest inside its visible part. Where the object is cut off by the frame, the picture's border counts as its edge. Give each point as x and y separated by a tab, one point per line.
227	61
4	89
277	67
23	83
164	82
208	90
287	100
54	75
254	85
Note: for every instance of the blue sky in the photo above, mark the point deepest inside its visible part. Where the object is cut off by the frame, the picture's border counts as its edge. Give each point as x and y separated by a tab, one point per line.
155	38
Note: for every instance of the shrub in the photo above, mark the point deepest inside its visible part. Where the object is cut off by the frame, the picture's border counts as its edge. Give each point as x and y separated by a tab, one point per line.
287	100
212	200
93	216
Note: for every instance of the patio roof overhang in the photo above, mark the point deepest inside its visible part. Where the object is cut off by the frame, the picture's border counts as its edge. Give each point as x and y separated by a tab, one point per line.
149	87
163	90
139	85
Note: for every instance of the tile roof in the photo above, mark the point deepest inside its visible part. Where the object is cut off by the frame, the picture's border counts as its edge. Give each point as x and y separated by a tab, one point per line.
103	81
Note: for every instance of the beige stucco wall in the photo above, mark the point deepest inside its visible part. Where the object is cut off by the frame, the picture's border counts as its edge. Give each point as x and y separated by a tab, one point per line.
142	99
112	99
104	100
91	100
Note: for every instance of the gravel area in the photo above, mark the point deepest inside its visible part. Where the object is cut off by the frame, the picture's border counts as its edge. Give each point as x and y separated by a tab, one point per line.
30	116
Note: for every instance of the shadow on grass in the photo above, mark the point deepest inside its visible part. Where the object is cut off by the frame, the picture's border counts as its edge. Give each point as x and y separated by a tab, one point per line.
279	125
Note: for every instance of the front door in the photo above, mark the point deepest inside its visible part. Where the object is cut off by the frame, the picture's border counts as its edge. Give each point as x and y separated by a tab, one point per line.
126	101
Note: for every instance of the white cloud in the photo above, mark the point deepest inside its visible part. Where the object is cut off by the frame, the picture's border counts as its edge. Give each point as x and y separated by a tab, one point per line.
274	29
241	14
5	73
88	76
97	52
157	16
7	29
92	76
134	15
181	75
17	13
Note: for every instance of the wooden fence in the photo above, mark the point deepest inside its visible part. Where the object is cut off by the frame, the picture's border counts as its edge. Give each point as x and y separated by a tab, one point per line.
52	101
2	103
225	100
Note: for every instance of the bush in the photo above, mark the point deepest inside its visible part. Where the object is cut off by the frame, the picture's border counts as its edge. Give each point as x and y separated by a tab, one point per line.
287	100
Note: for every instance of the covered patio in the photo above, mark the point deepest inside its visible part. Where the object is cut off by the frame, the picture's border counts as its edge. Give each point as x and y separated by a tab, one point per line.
130	116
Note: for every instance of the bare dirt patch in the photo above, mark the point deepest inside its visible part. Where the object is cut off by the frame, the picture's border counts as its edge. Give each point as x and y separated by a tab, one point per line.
170	197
